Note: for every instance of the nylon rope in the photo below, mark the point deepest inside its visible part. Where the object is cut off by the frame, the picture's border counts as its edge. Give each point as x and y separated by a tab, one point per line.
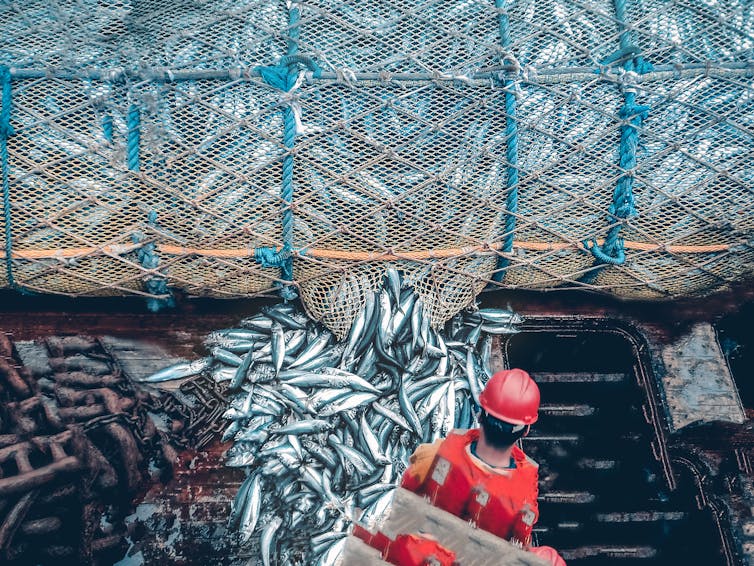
612	251
511	152
154	284
6	130
134	137
284	77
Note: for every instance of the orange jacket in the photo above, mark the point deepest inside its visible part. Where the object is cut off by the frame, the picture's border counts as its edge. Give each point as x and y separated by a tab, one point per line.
502	501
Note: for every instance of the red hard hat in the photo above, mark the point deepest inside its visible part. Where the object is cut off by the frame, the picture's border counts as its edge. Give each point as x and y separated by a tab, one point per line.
511	396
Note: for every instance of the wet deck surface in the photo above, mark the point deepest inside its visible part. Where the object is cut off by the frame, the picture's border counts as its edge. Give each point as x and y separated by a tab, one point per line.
617	485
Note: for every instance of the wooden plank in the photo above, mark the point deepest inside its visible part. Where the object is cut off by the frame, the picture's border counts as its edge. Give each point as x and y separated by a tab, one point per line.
138	359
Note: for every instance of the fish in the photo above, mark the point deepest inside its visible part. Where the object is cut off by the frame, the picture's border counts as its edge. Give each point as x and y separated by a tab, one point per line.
358	327
308	426
241	371
325	540
371	442
252	504
471	377
356	458
324	425
313	350
267	537
259	322
392	415
407	407
329	556
283	319
239	502
347	402
393	285
180	370
500	316
226	357
278	346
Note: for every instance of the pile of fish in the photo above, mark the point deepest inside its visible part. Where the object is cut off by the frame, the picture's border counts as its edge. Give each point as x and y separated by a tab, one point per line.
325	429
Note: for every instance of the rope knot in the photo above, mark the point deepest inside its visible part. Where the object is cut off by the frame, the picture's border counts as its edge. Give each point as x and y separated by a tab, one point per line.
271	257
345	76
156	285
616	256
632	111
529	74
628	80
386	76
290	97
511	58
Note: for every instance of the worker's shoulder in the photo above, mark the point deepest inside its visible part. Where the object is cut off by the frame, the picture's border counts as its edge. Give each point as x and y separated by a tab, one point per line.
459	431
521	457
426	449
472	433
429	450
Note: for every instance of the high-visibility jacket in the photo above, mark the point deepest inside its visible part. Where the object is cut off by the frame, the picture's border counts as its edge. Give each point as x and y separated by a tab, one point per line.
502	501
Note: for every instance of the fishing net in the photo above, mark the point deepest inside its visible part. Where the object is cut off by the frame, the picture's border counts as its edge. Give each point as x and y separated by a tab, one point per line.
233	148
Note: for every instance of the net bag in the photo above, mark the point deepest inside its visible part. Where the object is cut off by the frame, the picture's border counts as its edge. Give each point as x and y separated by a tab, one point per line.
240	148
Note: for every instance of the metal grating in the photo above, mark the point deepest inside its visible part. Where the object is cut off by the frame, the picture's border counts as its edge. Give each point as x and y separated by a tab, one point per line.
609	493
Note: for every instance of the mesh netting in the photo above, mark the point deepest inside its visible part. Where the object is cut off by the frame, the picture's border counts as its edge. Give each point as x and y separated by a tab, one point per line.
229	148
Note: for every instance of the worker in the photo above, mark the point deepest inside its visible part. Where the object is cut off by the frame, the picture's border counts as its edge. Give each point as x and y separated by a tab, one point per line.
481	474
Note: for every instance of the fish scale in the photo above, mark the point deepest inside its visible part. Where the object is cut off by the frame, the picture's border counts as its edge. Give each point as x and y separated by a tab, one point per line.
323	426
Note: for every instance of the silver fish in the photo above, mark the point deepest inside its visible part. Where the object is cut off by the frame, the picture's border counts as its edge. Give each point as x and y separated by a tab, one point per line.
226	357
393	283
500	316
258	322
362	465
371	443
313	350
471	377
330	556
407	408
241	371
309	426
285	320
252	504
392	415
238	505
179	371
267	537
348	402
359	326
278	346
325	540
500	329
352	411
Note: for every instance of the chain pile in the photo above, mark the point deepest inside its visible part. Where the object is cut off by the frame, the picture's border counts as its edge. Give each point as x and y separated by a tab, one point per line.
325	428
76	444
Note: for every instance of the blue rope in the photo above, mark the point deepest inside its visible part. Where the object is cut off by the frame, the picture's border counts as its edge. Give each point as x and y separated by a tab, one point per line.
6	130
511	153
612	251
283	77
148	258
134	137
107	127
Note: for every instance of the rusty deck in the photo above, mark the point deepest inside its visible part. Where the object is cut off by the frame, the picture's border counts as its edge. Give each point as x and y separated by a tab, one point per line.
182	520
